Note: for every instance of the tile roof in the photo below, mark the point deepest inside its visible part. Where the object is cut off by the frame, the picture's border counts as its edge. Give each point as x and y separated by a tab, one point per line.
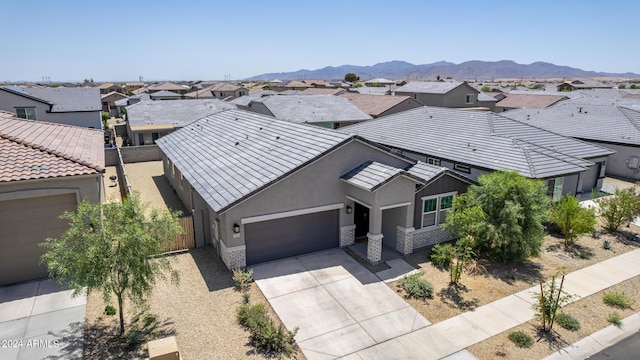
603	120
324	91
226	87
481	139
296	84
204	93
312	108
165	93
371	175
39	150
120	95
426	171
429	87
177	113
65	99
375	105
230	155
529	101
382	90
167	86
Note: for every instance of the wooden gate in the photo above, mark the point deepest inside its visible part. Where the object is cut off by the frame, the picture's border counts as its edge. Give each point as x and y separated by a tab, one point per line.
186	240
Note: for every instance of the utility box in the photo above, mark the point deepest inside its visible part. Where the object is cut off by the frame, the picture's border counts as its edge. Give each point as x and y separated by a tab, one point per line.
164	349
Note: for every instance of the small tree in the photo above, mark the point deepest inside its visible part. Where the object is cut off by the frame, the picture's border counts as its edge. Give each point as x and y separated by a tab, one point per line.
622	207
351	77
504	215
622	86
550	299
485	89
113	248
572	219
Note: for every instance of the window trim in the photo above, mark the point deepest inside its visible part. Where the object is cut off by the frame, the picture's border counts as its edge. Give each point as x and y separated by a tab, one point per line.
470	96
438	210
556	196
24	108
433	161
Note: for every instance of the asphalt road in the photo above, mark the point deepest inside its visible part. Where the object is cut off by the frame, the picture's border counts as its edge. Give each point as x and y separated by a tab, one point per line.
628	348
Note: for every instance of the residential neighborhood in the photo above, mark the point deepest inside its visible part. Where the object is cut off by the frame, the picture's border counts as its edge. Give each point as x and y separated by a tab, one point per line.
319	180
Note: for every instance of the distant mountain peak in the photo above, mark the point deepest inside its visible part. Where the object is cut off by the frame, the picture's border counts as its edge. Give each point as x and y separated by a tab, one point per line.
473	69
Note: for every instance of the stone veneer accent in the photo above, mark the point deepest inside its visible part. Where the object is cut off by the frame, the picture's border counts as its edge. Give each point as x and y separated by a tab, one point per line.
404	242
426	237
374	247
347	235
234	257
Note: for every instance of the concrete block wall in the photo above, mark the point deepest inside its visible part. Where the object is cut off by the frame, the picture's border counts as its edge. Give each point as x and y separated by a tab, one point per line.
234	257
427	237
133	154
347	235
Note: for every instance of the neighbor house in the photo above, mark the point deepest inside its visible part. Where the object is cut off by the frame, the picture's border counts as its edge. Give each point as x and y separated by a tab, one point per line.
582	84
45	170
291	85
228	90
477	142
262	189
150	120
167	86
377	82
109	103
512	101
324	91
456	94
133	85
611	124
321	110
107	88
377	106
165	95
71	106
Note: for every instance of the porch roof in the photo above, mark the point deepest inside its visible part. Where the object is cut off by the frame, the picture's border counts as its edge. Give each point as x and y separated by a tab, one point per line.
371	175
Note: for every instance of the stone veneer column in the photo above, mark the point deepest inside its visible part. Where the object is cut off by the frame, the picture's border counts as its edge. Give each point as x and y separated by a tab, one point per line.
404	243
234	257
374	247
347	235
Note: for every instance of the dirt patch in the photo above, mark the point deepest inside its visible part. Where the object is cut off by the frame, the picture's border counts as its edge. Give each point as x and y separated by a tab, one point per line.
591	312
503	280
200	312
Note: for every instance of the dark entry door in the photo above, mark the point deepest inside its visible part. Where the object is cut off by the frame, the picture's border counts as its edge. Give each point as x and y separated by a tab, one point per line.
361	220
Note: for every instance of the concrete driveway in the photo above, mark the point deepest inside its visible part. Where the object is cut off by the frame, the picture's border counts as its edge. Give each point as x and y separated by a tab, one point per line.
339	306
40	320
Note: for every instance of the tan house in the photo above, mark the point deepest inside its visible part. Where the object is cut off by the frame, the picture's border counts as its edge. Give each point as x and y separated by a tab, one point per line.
45	169
291	85
110	87
109	102
376	105
135	85
582	84
527	101
168	86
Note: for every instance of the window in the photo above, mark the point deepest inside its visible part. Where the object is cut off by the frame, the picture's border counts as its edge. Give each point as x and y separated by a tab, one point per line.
461	167
173	170
433	161
28	113
434	209
554	188
469	99
181	183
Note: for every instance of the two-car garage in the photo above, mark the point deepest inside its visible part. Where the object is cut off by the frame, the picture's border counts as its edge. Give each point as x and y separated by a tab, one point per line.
24	224
284	236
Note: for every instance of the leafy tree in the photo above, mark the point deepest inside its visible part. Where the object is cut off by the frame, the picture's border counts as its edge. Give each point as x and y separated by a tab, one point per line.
622	207
485	89
622	86
572	219
438	78
351	77
113	248
633	86
503	216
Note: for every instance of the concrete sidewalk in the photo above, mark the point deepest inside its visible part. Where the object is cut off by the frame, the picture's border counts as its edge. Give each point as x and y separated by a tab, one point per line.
449	339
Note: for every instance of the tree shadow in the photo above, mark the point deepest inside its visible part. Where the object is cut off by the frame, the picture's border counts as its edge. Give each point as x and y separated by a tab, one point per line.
213	271
551	338
579	251
103	341
528	271
453	296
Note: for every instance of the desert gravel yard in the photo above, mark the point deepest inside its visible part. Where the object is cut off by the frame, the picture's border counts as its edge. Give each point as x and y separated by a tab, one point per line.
147	178
200	311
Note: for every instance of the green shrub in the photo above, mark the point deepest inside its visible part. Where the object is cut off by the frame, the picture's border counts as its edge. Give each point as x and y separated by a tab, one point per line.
535	86
109	310
416	286
622	86
485	89
617	299
633	86
242	279
622	207
615	319
265	334
521	339
132	338
440	255
568	322
606	245
105	115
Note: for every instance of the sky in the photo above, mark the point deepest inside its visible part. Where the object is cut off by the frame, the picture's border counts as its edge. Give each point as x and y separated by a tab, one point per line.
120	40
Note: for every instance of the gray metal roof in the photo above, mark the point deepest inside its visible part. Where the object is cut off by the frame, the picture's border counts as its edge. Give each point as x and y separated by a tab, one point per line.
371	175
232	154
313	108
588	119
429	87
69	99
480	139
178	113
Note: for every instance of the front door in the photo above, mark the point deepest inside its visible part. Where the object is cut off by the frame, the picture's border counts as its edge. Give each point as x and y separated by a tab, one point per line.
361	220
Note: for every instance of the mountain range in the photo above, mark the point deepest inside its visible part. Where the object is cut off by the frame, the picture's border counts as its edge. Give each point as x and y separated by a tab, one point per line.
474	69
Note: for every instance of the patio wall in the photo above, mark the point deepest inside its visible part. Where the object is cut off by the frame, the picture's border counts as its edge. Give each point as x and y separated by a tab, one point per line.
132	154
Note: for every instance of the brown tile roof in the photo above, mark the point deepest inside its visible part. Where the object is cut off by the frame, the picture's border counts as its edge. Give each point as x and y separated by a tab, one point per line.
39	150
375	105
324	91
529	101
